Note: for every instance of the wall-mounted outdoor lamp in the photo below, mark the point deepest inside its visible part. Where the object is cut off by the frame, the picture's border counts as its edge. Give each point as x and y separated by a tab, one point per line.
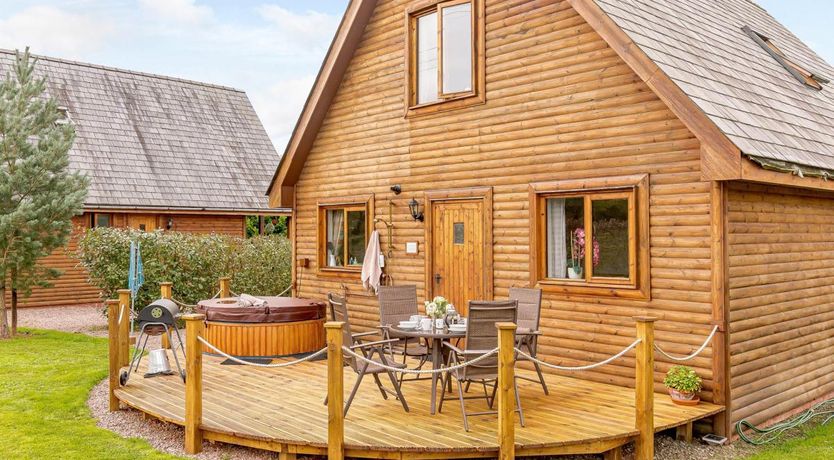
396	189
414	207
170	223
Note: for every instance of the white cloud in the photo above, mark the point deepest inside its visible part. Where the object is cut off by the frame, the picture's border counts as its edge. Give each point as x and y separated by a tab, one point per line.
183	11
279	106
303	28
50	30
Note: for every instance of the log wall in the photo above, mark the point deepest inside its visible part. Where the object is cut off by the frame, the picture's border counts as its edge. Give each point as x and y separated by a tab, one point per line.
560	105
72	288
781	298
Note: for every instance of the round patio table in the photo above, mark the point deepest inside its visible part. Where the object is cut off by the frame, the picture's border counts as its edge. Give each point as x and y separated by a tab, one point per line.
436	336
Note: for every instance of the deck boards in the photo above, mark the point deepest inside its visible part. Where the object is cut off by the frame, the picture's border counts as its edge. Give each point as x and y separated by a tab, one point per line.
285	407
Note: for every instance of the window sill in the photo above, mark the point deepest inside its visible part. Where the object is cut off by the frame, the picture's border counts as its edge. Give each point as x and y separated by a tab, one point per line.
340	272
442	105
583	289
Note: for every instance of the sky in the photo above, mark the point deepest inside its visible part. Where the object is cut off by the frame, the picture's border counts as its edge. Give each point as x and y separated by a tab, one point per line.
272	49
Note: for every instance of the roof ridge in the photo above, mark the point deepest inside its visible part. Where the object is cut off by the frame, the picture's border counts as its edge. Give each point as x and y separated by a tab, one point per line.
127	71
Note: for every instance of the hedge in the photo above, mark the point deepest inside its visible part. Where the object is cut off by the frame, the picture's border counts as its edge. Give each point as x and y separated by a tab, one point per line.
194	263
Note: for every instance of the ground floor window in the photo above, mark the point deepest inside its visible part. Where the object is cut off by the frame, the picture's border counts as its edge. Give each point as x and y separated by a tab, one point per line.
344	228
587	234
102	220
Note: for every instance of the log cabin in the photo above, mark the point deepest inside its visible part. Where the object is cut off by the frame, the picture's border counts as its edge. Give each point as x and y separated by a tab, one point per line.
161	153
688	143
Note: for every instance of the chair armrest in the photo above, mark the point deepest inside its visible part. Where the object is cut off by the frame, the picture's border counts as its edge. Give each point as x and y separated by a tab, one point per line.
360	335
454	348
373	344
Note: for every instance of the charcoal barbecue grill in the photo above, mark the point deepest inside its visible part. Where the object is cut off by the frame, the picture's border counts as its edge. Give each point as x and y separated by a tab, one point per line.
158	318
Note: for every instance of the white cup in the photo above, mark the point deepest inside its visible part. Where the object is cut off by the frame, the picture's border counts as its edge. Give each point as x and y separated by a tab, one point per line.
425	323
415	318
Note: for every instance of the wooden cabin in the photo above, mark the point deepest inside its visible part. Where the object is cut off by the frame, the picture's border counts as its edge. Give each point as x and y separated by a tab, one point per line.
689	143
161	153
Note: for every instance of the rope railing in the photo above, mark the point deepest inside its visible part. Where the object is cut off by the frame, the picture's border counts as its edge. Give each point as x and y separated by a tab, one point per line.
578	368
216	295
369	361
183	304
248	363
234	294
285	291
692	355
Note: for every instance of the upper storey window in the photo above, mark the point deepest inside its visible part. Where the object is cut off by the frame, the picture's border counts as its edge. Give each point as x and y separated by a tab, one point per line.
445	63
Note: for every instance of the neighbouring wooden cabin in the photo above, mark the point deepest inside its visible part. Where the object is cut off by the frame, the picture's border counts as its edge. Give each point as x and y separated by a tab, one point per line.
160	152
690	142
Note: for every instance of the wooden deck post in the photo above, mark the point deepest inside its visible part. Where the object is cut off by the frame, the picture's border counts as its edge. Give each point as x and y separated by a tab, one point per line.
113	346
193	383
335	392
644	389
124	326
166	289
225	287
506	390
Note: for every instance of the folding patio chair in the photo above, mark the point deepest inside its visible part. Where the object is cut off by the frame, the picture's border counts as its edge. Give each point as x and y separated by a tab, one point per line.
399	303
481	337
527	335
338	309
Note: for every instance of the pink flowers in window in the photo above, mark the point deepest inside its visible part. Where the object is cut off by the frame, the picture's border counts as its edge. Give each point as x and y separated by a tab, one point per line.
578	248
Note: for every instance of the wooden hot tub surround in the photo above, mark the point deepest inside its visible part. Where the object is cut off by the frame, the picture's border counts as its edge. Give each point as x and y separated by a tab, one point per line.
284	326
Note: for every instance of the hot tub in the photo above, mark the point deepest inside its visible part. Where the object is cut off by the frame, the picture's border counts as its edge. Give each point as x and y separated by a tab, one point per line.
284	326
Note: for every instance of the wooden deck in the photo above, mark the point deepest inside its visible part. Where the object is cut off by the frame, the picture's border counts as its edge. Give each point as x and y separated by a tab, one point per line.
282	410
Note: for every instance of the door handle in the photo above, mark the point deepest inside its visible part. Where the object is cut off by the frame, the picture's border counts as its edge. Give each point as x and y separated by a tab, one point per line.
437	277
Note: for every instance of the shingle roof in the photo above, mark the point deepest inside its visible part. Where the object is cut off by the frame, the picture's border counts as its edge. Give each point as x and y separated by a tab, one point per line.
750	96
149	141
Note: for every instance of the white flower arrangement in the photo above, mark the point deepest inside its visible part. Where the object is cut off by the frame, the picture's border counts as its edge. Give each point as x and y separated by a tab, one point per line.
437	307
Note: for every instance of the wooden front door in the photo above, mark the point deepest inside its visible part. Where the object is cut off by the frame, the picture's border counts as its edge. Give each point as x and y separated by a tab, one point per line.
144	222
458	259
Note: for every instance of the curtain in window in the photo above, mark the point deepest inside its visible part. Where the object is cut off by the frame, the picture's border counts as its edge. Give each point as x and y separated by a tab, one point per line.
335	235
556	242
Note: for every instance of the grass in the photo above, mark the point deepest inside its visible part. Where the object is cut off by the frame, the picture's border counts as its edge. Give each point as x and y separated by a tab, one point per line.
815	443
45	379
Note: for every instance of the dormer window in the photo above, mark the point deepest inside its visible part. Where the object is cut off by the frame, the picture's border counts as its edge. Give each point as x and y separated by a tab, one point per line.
800	73
63	116
445	56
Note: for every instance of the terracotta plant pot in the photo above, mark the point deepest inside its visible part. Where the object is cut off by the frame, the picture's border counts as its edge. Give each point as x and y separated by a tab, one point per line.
683	398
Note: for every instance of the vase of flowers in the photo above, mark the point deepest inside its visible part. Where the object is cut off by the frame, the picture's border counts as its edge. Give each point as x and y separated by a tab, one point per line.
577	254
683	385
436	309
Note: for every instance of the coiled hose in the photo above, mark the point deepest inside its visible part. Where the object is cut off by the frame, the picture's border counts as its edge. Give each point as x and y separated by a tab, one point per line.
762	436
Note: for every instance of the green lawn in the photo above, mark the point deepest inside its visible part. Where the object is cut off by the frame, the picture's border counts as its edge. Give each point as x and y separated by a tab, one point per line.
45	378
816	443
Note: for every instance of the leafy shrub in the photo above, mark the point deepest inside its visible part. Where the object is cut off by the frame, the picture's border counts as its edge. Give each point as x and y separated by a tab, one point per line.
194	263
683	379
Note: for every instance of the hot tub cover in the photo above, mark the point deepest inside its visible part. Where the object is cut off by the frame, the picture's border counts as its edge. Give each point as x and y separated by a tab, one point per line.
276	310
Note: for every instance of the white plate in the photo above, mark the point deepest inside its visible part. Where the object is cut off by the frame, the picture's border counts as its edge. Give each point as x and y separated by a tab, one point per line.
457	328
407	325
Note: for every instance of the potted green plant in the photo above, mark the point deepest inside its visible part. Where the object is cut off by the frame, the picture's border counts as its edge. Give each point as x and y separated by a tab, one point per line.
683	385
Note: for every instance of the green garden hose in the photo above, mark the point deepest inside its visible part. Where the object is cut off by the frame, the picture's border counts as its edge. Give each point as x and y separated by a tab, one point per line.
769	434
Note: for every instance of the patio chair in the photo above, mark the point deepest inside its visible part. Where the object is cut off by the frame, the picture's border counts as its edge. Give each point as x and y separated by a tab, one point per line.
338	310
399	303
481	337
527	334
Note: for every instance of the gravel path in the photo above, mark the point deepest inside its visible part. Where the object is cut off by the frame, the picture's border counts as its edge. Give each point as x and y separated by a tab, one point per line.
167	437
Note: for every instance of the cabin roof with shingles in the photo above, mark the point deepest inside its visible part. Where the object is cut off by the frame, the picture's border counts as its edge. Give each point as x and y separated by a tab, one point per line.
763	109
155	142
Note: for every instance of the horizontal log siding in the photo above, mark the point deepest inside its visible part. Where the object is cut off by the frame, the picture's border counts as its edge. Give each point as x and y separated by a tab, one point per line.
194	223
781	292
560	105
72	288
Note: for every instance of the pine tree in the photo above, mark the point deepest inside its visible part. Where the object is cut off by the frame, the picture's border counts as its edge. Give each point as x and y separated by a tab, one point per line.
38	194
